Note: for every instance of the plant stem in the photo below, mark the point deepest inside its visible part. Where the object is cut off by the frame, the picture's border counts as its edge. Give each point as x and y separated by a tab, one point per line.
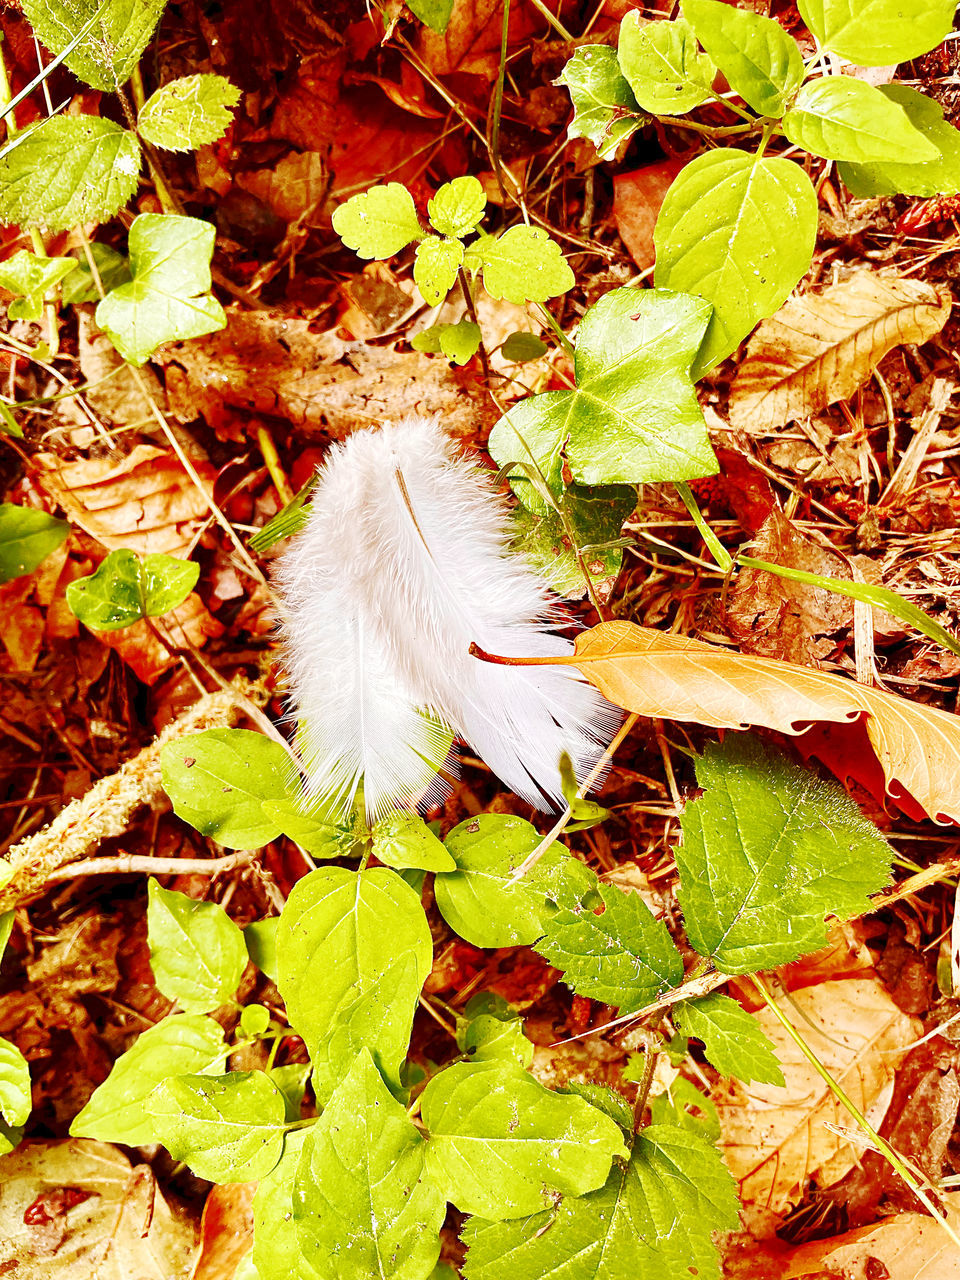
552	322
493	146
714	545
472	313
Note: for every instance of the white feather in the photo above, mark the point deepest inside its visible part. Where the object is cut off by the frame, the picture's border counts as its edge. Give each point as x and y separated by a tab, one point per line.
404	561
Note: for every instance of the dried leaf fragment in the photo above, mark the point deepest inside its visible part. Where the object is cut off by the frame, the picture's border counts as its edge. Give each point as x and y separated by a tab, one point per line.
820	348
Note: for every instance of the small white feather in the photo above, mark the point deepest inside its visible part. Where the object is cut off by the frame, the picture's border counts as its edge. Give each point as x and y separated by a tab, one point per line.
405	560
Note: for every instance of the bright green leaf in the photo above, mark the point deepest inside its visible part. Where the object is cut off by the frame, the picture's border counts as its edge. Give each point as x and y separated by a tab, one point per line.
9	426
604	108
10	1137
681	1104
495	1036
768	850
291	1080
523	265
290	519
182	1044
434	13
254	1019
403	840
378	223
759	59
112	267
68	169
188	113
7	920
522	346
197	953
661	62
502	1145
720	235
14	1085
842	118
458	206
732	1039
310	825
878	33
458	342
634	415
929	178
435	267
595	516
106	57
217	781
361	1203
354	952
260	938
276	1248
227	1128
30	277
167	300
27	537
124	589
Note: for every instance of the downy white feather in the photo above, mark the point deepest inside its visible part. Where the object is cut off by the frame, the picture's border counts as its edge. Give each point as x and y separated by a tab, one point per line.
404	561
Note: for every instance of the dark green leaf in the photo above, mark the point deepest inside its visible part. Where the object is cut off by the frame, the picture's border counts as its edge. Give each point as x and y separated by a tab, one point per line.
878	33
595	516
664	68
188	113
260	938
604	108
682	1105
27	537
112	267
841	118
732	1039
197	953
930	178
7	920
108	55
124	589
523	346
760	61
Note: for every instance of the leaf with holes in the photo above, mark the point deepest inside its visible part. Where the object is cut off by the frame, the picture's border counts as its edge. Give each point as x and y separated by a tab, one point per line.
604	108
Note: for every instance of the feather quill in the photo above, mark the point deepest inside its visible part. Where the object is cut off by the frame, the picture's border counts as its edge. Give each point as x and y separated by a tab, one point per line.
405	560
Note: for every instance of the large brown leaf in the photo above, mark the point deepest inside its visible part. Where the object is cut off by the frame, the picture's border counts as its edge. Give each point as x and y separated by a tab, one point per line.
820	348
656	674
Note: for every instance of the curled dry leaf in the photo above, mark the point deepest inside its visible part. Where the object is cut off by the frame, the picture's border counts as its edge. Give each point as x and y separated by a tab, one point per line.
820	348
655	674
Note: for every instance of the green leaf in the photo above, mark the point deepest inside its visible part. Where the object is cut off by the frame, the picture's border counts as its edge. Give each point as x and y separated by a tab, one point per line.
15	1098
682	1105
595	516
27	537
761	62
768	850
878	33
403	840
167	300
291	1080
661	62
458	342
624	957
502	1145
841	118
254	1020
378	223
634	416
217	781
276	1247
732	1039
522	346
227	1128
720	235
604	108
458	207
181	1044
435	267
312	829
79	286
188	113
108	55
124	589
8	423
495	1036
652	1220
291	519
10	1137
260	938
68	169
30	277
929	178
361	1203
523	265
197	953
354	952
434	13
7	920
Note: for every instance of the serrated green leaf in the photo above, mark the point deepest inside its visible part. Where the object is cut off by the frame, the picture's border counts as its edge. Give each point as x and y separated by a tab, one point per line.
664	68
933	177
434	13
624	957
732	1039
197	953
634	416
361	1203
842	118
124	589
524	265
768	850
719	235
226	1128
310	825
15	1098
188	113
182	1044
878	33
502	1145
458	342
458	207
761	62
403	840
378	223
682	1106
108	55
276	1248
595	516
167	300
652	1220
27	537
218	780
604	108
30	277
354	952
112	267
435	267
522	346
68	169
260	938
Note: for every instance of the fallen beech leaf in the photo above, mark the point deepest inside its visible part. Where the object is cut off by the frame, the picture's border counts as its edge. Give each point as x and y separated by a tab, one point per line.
637	197
819	348
655	674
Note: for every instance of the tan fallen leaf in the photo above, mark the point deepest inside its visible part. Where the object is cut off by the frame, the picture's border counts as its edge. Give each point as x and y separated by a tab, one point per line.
819	348
142	647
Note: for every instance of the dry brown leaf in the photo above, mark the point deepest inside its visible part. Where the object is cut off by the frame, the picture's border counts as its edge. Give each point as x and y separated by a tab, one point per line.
637	197
141	645
819	348
656	674
226	1231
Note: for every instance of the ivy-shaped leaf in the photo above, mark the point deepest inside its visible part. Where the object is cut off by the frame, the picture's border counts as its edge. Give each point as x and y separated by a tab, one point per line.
189	112
30	277
604	108
124	589
27	537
